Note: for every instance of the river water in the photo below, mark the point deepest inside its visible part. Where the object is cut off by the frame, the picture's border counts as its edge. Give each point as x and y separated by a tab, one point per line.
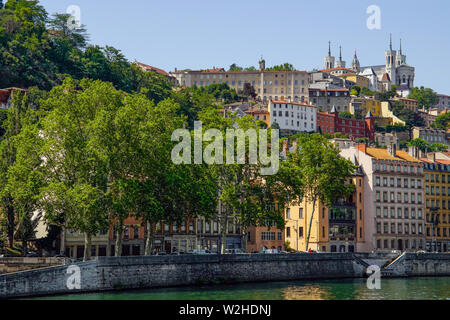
347	289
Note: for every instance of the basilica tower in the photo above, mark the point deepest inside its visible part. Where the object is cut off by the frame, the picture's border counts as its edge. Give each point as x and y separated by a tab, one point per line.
329	60
391	61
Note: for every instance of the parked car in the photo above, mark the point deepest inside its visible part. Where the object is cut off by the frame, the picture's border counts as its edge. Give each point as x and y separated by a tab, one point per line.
162	253
421	251
234	251
32	254
201	251
269	251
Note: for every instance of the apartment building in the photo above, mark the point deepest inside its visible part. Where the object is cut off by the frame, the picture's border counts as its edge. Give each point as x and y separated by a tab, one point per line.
430	135
260	238
293	116
354	128
437	203
443	102
410	104
339	228
393	198
327	98
269	85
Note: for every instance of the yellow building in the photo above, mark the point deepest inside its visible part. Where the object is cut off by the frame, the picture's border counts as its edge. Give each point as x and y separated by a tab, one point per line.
364	105
359	80
339	229
437	204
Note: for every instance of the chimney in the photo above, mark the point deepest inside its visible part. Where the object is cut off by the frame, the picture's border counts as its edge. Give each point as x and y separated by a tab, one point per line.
392	149
361	147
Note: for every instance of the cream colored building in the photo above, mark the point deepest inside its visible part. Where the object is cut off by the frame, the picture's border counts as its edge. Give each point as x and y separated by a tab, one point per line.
269	85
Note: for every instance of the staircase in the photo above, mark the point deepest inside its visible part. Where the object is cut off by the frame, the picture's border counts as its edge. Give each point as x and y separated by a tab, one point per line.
390	269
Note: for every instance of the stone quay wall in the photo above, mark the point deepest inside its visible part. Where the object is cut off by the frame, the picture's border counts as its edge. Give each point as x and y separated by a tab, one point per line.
115	273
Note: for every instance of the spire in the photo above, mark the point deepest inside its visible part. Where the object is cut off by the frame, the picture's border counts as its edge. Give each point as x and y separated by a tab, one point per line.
329	48
340	53
390	41
400	46
355	53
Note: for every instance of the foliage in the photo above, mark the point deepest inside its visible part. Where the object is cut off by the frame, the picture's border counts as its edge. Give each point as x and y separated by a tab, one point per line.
426	97
442	121
411	118
319	172
420	143
282	67
36	50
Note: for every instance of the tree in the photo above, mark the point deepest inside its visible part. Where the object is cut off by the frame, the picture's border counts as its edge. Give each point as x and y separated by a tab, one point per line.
18	116
234	67
442	121
244	195
345	115
249	91
320	172
75	195
282	67
426	97
366	92
356	90
420	143
438	147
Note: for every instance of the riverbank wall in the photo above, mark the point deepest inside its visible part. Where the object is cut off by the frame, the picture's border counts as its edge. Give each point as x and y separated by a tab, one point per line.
117	273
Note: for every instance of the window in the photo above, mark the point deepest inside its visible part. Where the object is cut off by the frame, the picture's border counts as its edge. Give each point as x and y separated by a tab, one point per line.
300	232
300	213
288	213
288	232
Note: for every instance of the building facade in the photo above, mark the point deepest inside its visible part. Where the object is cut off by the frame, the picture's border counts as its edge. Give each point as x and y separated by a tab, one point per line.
443	102
430	135
437	204
393	197
269	85
354	128
326	99
293	116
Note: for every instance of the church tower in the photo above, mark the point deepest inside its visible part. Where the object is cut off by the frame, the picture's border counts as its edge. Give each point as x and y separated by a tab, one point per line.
355	63
401	58
340	62
329	60
391	61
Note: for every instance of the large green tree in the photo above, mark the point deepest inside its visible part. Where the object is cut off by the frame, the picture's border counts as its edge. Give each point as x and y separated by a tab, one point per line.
319	172
426	97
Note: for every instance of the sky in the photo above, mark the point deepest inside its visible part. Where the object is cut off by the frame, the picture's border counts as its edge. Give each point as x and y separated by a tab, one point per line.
199	34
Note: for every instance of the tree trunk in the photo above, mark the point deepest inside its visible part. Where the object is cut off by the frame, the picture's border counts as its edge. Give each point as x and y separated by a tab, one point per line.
10	222
148	240
310	224
244	233
223	233
62	246
87	246
24	247
118	245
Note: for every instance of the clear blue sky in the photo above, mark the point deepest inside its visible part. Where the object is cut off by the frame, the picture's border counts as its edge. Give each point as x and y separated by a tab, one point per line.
205	33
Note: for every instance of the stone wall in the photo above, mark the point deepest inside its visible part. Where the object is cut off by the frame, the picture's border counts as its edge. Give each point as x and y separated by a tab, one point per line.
111	273
15	264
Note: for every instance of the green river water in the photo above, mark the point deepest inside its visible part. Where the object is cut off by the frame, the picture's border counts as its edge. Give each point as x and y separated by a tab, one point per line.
346	289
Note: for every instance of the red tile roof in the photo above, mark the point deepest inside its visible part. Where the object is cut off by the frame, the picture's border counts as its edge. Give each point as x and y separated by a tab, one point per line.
386	77
146	67
294	103
339	68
